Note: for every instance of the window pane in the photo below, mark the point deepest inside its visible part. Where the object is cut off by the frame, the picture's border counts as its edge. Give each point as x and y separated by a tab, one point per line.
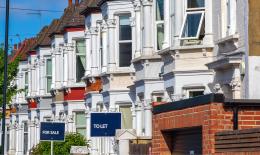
125	32
80	47
125	54
195	93
191	26
26	77
80	119
196	3
49	81
159	10
48	67
160	35
126	117
81	131
80	70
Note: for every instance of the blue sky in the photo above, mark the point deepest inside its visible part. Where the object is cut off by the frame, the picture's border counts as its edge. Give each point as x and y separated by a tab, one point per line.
27	23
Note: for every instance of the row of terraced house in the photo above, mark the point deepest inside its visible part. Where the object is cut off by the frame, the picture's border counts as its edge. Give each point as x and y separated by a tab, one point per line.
128	56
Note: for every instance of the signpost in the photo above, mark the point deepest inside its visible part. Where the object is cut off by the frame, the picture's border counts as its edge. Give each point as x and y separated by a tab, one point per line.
104	124
52	131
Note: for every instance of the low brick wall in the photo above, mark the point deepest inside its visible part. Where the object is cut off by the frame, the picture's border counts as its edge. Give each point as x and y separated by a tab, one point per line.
212	117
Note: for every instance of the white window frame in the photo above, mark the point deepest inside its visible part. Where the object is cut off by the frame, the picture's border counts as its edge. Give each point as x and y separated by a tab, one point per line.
193	90
199	28
123	41
47	76
79	54
26	85
79	126
157	22
193	9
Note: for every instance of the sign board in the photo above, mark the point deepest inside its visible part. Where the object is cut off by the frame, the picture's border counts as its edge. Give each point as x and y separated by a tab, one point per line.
104	124
52	131
79	150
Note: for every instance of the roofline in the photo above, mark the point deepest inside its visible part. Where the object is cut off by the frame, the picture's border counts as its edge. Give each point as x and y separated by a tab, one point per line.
89	10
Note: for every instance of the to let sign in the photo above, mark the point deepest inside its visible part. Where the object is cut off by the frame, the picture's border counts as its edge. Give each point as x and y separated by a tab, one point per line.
52	131
104	124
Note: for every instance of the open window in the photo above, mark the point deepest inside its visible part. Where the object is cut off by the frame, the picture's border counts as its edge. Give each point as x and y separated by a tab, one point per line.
80	59
193	24
159	8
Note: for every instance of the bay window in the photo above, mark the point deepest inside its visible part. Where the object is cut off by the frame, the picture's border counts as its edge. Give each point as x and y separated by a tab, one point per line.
80	59
48	74
193	25
80	123
125	41
159	23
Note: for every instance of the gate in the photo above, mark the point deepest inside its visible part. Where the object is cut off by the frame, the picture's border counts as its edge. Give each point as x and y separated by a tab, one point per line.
140	149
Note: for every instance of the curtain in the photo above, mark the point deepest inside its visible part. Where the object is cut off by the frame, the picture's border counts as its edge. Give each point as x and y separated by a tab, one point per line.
126	117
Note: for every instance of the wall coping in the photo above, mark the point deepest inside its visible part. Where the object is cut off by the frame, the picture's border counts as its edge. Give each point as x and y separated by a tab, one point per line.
189	103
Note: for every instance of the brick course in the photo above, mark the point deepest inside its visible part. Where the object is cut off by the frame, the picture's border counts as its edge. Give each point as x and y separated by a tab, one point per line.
212	117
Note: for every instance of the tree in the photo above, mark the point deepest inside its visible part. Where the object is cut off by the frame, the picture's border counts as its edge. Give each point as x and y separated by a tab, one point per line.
12	72
71	139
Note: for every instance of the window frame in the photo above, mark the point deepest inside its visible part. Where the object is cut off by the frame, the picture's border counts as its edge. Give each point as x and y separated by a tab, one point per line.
194	9
80	126
199	28
193	90
124	41
80	55
158	22
26	84
125	106
46	75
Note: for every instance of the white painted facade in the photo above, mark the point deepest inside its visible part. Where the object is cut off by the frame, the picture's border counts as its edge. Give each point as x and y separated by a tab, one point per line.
166	65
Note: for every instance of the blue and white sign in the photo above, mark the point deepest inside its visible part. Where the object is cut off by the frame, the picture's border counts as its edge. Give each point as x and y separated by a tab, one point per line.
52	131
104	124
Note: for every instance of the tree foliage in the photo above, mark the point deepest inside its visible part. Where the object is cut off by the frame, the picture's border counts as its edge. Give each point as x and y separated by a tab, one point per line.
12	73
71	139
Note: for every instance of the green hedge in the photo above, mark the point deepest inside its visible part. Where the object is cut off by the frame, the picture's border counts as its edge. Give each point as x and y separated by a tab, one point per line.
60	148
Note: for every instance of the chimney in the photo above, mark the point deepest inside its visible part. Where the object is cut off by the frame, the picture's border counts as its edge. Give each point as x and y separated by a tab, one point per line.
15	47
76	2
70	2
19	45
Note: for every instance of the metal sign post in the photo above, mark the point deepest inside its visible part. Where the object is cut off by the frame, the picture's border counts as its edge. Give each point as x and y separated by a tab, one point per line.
51	147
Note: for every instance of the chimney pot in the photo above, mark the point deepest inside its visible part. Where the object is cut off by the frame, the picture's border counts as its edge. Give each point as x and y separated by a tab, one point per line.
15	46
76	2
70	2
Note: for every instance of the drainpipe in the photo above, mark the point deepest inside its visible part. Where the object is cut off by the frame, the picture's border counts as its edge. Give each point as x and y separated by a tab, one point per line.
235	118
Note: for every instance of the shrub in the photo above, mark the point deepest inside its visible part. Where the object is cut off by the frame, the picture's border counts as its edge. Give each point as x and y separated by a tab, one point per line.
60	148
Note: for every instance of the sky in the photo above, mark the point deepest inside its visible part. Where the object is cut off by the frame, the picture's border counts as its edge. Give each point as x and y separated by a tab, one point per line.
27	23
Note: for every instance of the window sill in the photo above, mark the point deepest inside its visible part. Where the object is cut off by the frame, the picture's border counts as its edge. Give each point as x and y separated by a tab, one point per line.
229	38
190	47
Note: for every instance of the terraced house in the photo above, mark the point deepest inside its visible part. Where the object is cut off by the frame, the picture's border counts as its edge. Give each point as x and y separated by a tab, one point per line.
131	56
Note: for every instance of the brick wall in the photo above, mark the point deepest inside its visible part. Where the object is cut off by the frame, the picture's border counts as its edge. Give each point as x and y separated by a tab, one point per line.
212	117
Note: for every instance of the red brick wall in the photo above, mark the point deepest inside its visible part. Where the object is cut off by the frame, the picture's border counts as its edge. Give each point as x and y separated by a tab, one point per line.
211	117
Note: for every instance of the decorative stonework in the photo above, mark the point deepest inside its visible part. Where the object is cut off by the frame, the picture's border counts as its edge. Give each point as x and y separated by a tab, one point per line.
111	23
217	88
93	30
137	5
235	84
132	21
